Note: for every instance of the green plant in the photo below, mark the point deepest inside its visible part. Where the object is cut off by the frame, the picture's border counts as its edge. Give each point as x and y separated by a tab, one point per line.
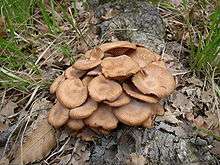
208	49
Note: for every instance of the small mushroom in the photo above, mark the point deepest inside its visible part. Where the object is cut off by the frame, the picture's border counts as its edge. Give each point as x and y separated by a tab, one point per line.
94	54
122	100
84	110
117	48
101	89
143	56
73	73
71	93
95	72
86	64
133	92
102	118
134	113
160	63
56	83
121	66
86	80
58	115
158	110
74	124
155	80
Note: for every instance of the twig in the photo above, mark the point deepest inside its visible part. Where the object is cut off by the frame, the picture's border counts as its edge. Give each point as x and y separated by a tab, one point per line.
29	117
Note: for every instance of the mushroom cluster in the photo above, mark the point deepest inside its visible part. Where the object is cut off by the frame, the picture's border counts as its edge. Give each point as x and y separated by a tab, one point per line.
114	82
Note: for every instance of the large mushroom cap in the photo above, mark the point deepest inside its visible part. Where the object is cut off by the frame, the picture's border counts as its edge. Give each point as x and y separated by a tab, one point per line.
102	118
121	100
71	93
101	89
86	64
143	56
95	72
84	110
86	80
133	92
94	54
56	83
117	48
121	66
58	115
134	113
73	73
155	80
75	125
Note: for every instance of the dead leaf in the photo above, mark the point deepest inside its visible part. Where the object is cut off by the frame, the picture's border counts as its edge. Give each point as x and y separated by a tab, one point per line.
169	117
212	120
3	127
4	161
199	121
2	27
8	109
181	102
37	144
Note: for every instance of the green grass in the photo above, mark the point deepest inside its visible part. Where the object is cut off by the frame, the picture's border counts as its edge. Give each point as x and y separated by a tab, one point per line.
203	29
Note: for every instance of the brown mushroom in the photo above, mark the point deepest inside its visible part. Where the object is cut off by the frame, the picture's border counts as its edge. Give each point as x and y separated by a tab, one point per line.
101	89
121	66
95	72
160	63
134	113
84	110
143	56
74	124
73	73
56	83
86	64
71	93
94	54
121	100
149	122
158	110
133	92
154	80
102	118
86	80
58	115
117	48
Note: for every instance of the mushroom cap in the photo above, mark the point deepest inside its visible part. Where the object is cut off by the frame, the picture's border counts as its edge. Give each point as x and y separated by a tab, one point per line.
133	92
73	73
160	63
102	118
86	80
101	89
75	124
143	56
71	93
158	110
117	48
56	83
84	110
149	122
58	115
94	54
95	72
134	113
121	100
156	80
86	64
119	66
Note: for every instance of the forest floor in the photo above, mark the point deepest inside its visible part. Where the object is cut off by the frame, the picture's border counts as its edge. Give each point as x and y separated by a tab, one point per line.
35	48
